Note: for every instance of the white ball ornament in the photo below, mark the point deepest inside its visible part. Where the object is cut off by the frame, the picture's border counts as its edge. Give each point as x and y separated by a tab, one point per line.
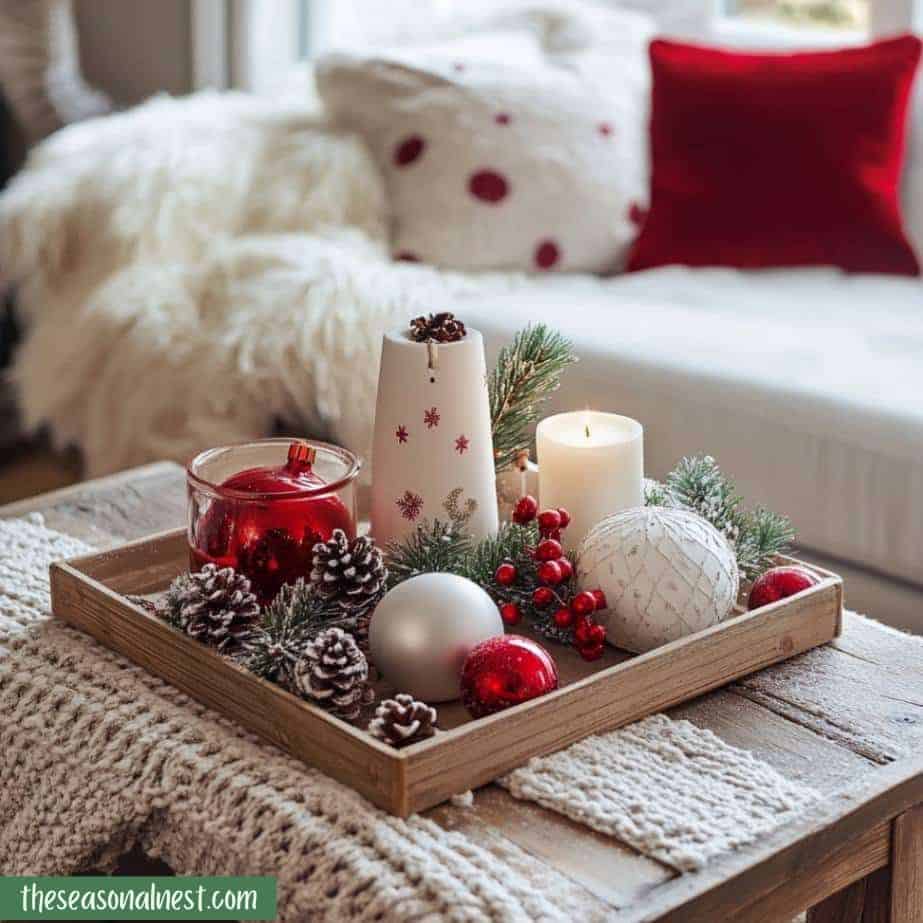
666	573
423	629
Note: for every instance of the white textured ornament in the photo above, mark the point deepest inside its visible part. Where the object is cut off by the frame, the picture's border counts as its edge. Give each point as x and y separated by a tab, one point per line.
423	629
666	573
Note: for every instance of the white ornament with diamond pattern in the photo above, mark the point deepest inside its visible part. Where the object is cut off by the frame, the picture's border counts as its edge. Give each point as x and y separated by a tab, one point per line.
666	573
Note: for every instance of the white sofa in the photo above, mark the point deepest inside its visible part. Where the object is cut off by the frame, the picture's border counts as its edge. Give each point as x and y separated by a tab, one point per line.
807	387
182	287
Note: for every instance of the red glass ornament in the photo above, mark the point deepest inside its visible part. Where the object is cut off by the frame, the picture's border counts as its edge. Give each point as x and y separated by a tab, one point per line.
525	510
565	517
549	572
510	614
543	597
549	520
268	538
600	598
505	671
563	618
567	569
505	574
779	583
583	603
548	550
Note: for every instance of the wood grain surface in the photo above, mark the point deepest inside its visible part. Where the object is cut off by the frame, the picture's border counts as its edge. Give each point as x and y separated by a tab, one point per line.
793	723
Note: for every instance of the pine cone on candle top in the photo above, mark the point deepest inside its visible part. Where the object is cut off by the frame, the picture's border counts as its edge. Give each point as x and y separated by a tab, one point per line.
437	328
213	605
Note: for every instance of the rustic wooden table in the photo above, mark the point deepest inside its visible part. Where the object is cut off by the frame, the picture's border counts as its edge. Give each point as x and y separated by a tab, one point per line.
847	719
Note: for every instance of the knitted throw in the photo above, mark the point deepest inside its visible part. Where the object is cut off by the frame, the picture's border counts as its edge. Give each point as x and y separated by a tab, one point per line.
673	791
97	755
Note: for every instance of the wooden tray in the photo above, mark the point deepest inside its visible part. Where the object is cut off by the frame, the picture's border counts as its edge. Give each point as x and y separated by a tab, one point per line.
90	593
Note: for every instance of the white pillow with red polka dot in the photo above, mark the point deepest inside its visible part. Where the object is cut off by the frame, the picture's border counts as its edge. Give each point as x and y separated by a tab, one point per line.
508	160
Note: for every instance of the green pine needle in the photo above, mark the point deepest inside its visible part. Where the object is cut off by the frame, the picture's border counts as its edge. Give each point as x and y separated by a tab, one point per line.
432	547
527	372
763	535
698	484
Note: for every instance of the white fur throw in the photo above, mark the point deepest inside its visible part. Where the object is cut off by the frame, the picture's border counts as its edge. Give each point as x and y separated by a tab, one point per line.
194	271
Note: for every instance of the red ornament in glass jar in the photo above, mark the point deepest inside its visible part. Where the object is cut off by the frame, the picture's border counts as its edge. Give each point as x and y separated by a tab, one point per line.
261	507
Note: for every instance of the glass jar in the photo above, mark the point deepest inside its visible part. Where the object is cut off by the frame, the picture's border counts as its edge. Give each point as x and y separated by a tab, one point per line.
261	507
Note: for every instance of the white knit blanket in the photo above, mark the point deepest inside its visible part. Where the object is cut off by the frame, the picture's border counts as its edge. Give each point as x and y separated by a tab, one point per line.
671	790
97	755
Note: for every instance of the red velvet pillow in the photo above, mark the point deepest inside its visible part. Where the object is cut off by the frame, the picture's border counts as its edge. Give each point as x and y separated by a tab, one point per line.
778	160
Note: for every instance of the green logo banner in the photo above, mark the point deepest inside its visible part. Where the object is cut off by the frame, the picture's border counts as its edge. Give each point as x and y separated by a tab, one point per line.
137	898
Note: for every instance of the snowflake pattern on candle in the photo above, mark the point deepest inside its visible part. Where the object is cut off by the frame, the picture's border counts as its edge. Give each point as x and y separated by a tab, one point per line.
431	417
410	505
401	434
461	444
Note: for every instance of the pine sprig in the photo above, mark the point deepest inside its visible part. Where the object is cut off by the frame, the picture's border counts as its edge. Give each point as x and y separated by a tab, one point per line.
511	543
432	547
527	372
763	535
698	484
288	623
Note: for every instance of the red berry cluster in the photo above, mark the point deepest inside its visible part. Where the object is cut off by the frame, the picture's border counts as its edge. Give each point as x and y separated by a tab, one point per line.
552	572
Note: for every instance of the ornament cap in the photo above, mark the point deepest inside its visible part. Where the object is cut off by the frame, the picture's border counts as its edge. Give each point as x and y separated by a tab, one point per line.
301	457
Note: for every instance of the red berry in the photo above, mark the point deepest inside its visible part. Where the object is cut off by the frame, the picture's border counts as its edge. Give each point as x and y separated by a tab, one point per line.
779	583
563	618
549	572
582	624
583	603
567	569
548	550
543	597
549	520
591	651
505	574
565	517
600	598
525	510
597	634
510	613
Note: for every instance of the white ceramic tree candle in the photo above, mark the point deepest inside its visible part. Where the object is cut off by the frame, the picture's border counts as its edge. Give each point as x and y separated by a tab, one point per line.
592	464
433	452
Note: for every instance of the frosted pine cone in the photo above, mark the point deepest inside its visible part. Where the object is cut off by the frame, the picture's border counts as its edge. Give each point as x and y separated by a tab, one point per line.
350	573
214	606
403	720
334	673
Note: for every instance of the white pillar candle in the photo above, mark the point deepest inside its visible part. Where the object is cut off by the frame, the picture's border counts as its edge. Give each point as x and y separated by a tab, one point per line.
592	464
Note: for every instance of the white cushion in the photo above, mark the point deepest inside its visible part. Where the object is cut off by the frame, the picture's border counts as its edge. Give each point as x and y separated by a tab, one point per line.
505	160
805	385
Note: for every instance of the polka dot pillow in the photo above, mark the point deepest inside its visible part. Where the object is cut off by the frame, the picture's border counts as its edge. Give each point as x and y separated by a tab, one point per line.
510	161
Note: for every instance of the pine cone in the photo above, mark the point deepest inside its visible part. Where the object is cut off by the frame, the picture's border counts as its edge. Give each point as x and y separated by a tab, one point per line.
334	673
214	606
352	574
403	720
437	328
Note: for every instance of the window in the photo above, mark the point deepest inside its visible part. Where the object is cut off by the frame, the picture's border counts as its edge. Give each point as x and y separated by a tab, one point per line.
851	15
